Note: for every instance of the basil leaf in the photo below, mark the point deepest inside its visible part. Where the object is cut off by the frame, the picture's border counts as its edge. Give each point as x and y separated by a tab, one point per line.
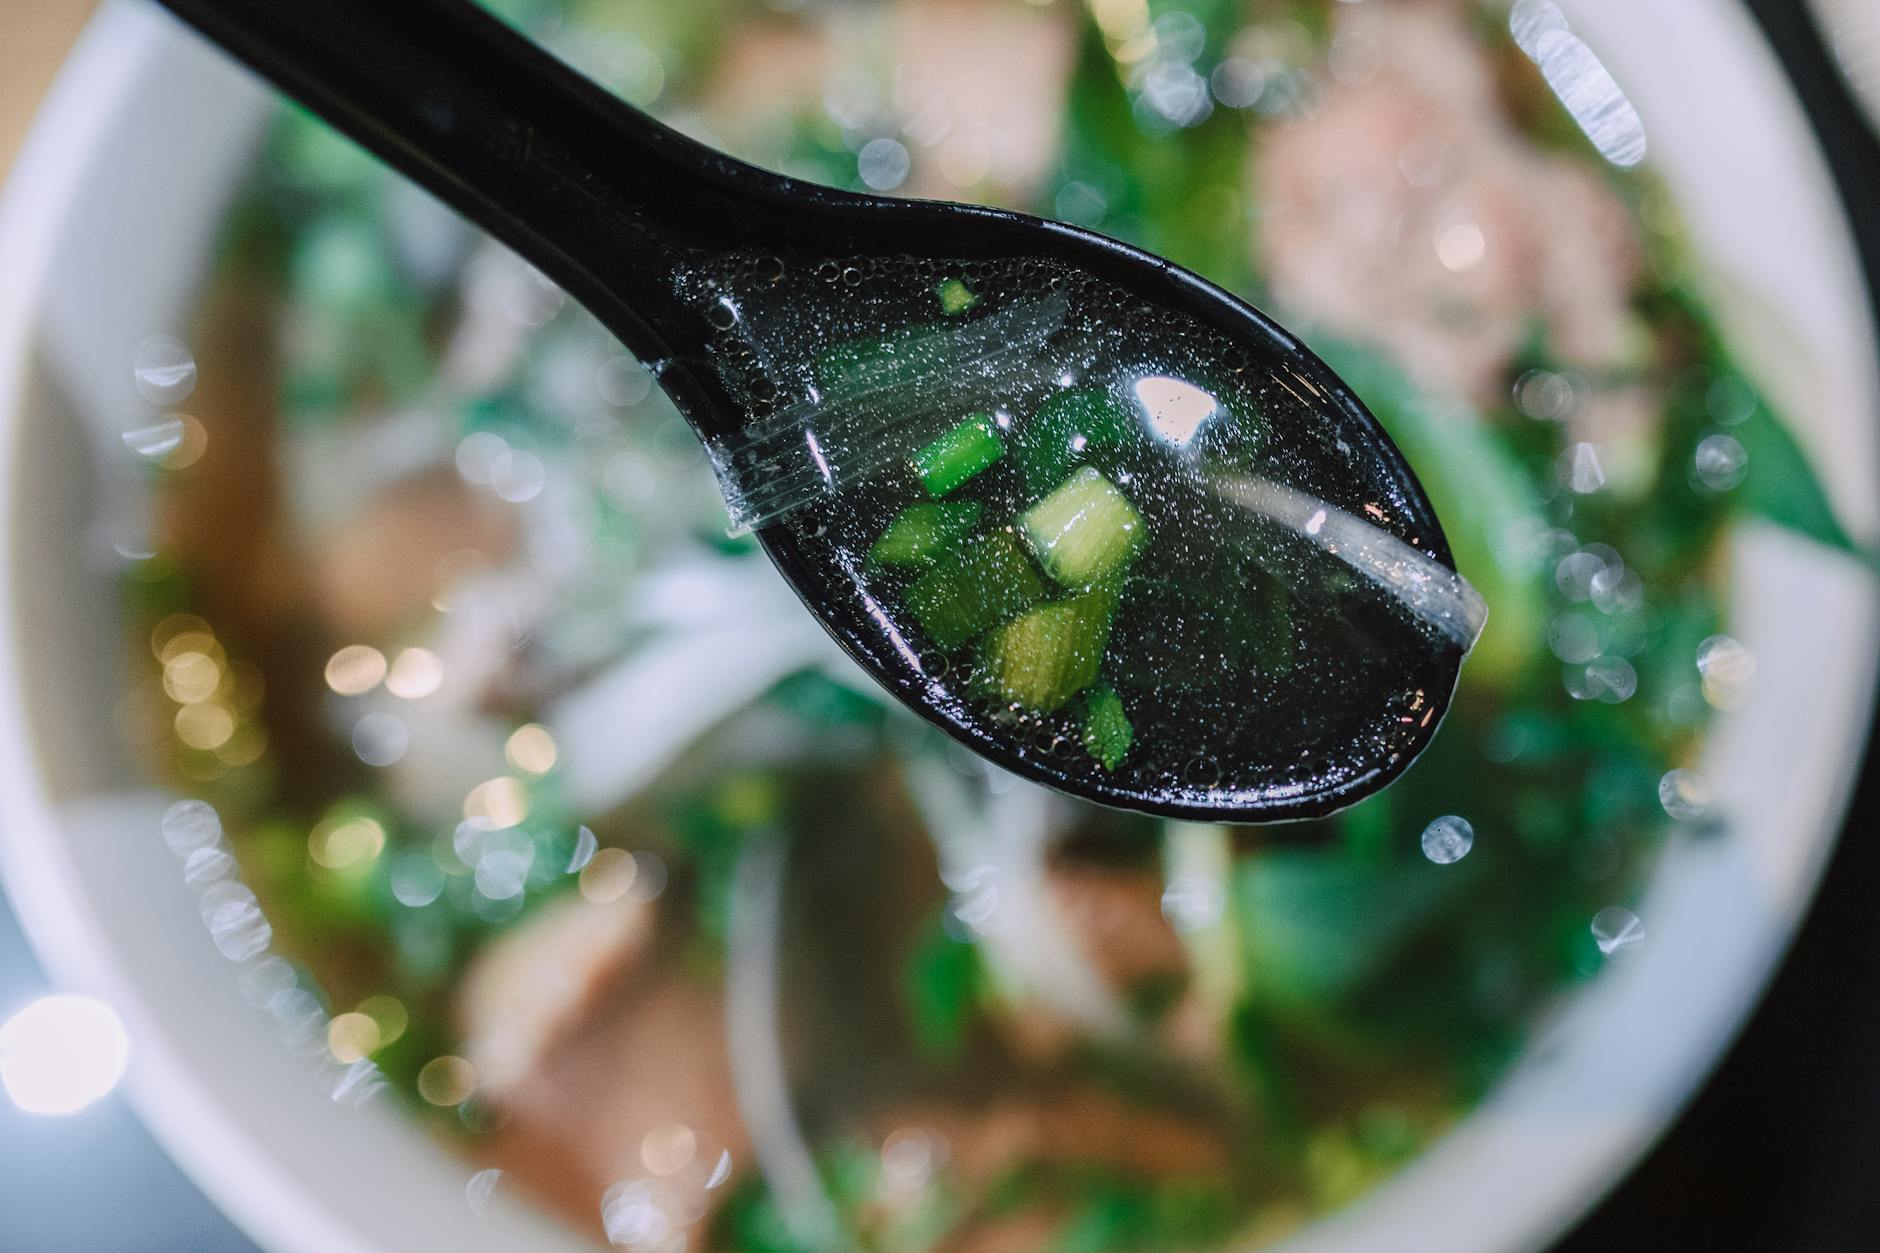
1318	926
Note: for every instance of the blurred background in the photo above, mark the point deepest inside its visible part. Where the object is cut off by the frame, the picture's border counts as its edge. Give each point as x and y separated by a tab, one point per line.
95	1181
1771	1154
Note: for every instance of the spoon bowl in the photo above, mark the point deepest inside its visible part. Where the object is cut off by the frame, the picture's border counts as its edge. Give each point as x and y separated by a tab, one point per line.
1099	520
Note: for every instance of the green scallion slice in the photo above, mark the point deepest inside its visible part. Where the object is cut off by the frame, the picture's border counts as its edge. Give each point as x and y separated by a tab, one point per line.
959	600
1085	531
920	531
1046	656
955	297
958	455
1107	733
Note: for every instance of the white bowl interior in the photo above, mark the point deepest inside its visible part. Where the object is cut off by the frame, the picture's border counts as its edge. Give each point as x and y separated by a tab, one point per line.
106	231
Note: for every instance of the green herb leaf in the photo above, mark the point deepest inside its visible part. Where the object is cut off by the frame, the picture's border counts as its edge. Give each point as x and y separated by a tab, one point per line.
1318	925
1179	196
1065	428
1780	485
944	981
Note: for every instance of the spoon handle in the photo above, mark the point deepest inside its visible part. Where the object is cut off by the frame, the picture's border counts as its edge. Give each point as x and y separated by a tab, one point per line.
598	196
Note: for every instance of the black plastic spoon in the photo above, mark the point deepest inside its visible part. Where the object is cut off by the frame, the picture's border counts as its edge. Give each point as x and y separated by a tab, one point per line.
1100	521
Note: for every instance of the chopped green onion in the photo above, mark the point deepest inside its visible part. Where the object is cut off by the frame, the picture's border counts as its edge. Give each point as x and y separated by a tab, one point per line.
1107	733
960	600
1084	531
1043	658
857	367
958	455
1066	427
920	531
955	297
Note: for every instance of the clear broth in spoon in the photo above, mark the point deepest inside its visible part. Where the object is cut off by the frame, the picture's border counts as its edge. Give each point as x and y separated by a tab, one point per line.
1104	542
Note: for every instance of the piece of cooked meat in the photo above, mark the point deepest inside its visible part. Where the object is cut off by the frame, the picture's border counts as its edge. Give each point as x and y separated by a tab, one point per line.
1028	1231
376	570
1082	1125
536	983
980	92
629	1081
1406	210
1115	915
973	88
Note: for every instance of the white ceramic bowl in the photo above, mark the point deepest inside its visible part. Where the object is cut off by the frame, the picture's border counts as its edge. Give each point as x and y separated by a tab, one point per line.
104	238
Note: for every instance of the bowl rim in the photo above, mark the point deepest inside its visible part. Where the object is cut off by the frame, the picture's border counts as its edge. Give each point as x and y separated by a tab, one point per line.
175	1095
277	1208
